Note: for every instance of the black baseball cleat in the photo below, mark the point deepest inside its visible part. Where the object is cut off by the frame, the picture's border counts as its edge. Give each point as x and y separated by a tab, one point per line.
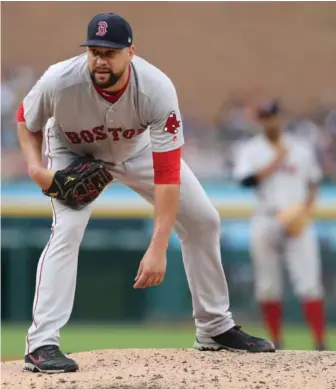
235	340
49	359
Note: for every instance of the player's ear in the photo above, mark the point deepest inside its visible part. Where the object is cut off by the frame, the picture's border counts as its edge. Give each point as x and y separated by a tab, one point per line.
131	51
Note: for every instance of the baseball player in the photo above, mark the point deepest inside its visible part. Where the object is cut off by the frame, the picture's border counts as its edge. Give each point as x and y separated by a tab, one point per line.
111	106
285	175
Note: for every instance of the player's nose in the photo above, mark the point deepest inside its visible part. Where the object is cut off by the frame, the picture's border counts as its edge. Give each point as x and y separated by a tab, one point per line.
101	62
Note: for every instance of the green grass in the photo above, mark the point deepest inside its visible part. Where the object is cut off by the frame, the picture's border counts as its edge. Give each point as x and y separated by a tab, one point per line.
75	338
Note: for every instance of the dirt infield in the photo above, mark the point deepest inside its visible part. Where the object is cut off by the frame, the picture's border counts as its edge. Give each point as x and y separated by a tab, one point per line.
183	369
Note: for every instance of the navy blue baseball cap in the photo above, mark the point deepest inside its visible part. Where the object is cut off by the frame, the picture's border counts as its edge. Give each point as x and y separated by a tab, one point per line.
109	30
268	109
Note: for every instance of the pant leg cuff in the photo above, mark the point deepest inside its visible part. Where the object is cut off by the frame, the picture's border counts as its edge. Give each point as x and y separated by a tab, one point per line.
201	334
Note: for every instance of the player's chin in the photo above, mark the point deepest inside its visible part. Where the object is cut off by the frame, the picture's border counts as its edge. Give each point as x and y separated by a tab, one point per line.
103	82
101	77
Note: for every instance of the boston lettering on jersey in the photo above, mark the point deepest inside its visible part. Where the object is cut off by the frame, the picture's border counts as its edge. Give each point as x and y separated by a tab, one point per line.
99	133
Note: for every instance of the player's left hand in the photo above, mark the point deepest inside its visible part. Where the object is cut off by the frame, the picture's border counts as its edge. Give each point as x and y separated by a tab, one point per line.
152	269
80	183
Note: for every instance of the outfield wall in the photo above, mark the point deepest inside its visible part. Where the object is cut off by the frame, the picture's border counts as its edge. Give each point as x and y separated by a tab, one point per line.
115	240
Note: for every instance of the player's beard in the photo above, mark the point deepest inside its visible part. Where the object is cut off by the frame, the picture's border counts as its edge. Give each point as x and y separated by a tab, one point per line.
112	79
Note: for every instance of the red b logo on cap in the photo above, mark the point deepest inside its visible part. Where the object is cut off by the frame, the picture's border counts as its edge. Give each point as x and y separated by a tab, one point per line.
102	28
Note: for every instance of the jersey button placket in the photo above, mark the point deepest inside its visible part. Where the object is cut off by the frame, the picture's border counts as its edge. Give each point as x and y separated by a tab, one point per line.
109	118
110	121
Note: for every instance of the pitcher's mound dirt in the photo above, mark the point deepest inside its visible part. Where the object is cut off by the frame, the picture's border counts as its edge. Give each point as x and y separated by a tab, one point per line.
183	369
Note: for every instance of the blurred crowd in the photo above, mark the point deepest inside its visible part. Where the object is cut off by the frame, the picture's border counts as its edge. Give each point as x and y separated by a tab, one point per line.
209	148
15	83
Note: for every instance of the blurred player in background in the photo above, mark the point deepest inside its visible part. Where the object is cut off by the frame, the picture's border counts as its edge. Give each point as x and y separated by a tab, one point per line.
285	175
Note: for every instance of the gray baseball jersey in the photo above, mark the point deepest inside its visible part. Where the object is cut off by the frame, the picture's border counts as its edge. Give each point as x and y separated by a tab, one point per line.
82	121
146	118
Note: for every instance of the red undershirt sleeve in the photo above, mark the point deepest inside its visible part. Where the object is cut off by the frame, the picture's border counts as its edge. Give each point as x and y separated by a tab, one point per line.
167	167
20	114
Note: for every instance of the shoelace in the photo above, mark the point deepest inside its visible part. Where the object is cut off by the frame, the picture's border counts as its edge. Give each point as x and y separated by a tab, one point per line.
53	351
238	328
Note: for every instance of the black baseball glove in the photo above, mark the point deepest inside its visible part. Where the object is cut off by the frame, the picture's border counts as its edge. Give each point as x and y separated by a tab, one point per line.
80	183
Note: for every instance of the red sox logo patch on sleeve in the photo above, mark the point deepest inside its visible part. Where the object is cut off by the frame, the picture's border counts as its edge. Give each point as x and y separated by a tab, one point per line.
102	28
172	124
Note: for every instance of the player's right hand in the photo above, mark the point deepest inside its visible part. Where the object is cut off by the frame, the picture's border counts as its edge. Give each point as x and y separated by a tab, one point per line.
42	176
152	269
